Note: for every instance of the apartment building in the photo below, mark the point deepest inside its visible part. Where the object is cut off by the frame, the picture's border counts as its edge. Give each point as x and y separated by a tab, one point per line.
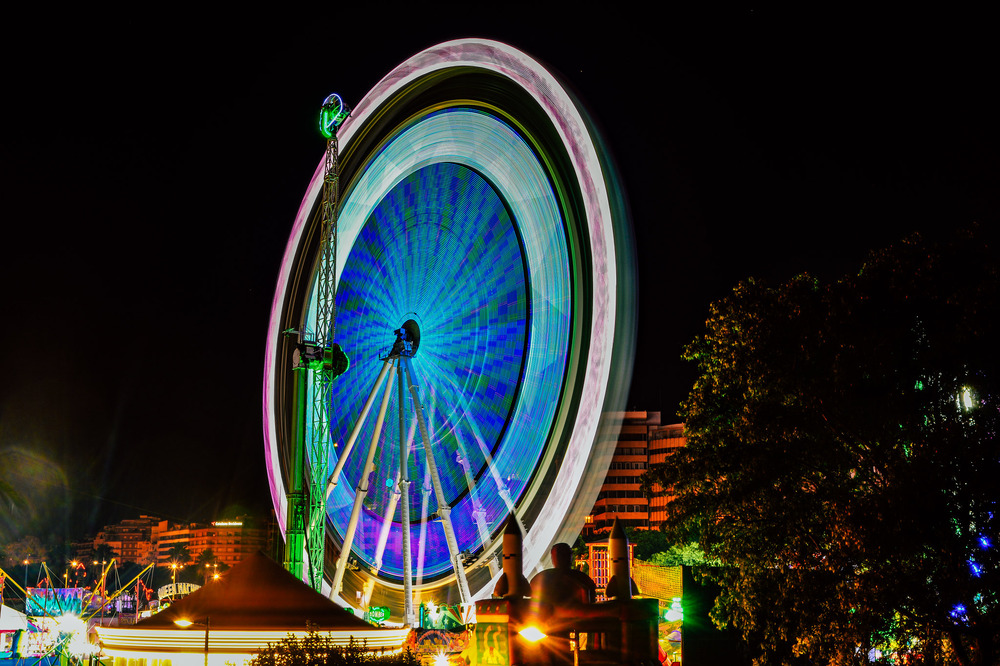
229	540
147	539
131	539
642	441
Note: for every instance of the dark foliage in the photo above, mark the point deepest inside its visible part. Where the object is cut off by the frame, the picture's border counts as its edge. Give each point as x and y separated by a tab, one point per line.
842	460
318	649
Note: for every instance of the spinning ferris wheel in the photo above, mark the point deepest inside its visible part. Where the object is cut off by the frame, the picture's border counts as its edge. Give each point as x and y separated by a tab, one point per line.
483	266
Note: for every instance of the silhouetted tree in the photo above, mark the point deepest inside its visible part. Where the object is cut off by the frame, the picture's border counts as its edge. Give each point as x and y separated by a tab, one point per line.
180	554
842	459
103	553
318	649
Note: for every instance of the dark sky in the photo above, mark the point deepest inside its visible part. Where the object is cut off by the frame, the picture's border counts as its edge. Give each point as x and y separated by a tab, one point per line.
151	172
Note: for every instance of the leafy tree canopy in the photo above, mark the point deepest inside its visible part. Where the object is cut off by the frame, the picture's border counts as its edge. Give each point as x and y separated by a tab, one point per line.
842	460
29	548
688	555
646	542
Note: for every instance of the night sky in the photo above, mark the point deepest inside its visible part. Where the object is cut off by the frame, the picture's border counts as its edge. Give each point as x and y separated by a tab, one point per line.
151	173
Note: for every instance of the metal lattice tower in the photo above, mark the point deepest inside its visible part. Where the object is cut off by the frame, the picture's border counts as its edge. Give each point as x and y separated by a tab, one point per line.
318	362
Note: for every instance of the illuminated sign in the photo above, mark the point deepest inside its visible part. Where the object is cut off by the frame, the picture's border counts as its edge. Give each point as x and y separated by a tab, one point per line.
227	523
171	590
377	614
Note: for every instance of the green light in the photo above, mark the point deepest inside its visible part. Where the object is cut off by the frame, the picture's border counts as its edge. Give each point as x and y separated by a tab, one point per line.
333	113
676	611
378	614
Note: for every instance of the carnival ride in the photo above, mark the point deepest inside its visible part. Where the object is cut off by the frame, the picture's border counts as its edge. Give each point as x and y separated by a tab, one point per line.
57	619
480	259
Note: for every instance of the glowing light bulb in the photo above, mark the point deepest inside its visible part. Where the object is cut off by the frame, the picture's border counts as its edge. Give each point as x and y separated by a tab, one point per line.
532	634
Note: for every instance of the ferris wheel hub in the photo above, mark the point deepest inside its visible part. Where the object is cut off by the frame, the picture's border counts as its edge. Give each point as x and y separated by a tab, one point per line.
407	340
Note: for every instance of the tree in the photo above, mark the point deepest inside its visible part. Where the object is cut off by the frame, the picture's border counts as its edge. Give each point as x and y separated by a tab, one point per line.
103	553
688	555
179	554
206	558
319	649
209	564
842	459
29	548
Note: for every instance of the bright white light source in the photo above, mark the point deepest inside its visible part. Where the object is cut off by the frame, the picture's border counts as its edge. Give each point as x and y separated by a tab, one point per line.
77	644
967	397
531	634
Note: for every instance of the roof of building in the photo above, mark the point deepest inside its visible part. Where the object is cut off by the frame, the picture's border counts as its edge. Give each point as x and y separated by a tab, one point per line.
257	593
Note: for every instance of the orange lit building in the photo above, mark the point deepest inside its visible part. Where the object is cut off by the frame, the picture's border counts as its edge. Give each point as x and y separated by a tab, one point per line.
231	541
642	441
147	539
131	539
167	536
663	440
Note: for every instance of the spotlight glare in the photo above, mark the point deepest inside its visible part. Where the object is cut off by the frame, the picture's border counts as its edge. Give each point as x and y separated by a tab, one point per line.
531	634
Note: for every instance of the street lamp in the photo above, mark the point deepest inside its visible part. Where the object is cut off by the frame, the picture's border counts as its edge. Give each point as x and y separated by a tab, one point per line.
173	591
72	564
185	623
104	587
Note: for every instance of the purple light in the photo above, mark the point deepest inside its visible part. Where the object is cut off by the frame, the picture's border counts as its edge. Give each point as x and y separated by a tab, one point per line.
958	611
976	568
985	542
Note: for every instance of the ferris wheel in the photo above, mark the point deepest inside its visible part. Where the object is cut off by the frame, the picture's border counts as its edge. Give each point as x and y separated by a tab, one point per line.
483	264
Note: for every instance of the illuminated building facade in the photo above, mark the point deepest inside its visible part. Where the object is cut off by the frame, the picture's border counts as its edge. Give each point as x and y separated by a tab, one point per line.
642	441
231	541
131	539
663	440
147	539
166	536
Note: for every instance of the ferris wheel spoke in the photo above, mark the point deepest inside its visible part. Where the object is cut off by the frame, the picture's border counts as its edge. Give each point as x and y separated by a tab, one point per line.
444	510
398	497
491	467
425	502
331	483
478	512
362	490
